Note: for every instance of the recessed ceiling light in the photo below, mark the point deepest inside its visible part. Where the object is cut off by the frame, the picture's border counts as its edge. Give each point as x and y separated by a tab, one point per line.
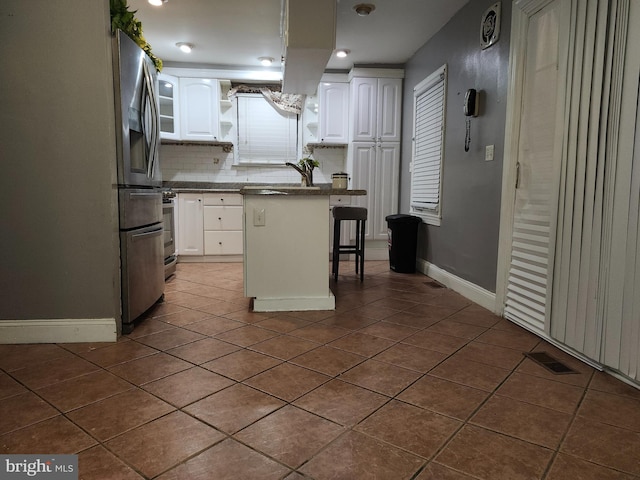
364	9
342	53
185	47
266	61
157	3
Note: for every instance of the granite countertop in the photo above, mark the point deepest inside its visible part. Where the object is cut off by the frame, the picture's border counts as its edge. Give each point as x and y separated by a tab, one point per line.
202	187
297	190
257	189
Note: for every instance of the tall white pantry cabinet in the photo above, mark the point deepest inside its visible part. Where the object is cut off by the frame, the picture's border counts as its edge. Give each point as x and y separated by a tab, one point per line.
374	148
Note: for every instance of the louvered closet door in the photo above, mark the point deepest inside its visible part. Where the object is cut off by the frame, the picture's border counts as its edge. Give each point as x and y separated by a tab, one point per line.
539	156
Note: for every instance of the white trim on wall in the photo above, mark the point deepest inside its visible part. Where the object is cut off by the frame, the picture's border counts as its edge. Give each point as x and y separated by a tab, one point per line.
487	300
58	330
469	290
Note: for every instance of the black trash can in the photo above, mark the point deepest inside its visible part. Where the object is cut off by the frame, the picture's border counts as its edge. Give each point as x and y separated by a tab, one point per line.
403	242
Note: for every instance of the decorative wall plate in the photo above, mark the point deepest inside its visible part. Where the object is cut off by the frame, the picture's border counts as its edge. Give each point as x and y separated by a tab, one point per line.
490	26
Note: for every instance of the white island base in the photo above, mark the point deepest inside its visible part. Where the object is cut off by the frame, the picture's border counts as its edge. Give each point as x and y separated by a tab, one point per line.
286	251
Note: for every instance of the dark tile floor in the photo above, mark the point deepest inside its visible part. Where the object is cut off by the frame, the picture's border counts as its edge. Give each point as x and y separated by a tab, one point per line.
404	380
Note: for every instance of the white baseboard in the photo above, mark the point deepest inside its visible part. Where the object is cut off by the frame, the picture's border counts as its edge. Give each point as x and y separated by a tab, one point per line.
64	330
376	253
294	304
210	258
469	290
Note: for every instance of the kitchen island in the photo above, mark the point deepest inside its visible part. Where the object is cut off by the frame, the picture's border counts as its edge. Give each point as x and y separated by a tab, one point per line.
286	247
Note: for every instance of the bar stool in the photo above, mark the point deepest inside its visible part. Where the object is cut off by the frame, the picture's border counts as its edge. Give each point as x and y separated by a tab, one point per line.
359	214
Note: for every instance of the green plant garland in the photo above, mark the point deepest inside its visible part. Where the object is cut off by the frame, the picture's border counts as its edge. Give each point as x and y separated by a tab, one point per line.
125	20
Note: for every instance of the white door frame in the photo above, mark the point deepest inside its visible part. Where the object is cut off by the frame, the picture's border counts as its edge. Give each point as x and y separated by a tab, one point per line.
522	10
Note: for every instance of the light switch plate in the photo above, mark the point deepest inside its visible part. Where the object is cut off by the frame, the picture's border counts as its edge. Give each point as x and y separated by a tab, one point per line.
259	217
488	153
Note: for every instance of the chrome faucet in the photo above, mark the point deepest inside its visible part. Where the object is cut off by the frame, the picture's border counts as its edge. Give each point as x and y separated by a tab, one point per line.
305	168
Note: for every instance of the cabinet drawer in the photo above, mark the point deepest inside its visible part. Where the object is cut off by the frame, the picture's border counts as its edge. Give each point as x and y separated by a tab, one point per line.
335	200
222	218
223	243
222	199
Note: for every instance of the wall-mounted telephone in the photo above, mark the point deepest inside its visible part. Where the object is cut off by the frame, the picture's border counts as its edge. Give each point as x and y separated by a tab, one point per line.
471	103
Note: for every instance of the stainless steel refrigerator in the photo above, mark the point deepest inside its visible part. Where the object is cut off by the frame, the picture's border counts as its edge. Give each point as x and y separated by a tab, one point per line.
139	180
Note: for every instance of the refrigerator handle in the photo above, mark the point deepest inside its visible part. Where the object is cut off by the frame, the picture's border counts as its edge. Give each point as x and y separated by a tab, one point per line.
144	194
151	98
152	233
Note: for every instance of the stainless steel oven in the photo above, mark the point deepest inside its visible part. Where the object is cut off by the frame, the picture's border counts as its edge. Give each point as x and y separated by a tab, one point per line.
169	227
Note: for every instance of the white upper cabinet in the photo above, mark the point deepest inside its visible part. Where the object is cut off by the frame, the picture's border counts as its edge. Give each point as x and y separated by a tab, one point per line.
199	109
376	107
333	113
228	112
169	99
310	120
326	115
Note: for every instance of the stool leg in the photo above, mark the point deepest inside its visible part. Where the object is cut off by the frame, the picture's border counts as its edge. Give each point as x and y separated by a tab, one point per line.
357	259
361	250
335	258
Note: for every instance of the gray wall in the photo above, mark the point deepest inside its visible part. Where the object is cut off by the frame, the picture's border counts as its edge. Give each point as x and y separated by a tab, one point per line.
59	240
466	243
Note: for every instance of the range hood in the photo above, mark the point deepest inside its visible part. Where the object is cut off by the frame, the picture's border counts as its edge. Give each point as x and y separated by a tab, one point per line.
309	33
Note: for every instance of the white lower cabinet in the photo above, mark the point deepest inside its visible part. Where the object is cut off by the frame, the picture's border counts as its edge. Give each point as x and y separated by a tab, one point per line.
190	225
210	224
223	243
223	224
376	168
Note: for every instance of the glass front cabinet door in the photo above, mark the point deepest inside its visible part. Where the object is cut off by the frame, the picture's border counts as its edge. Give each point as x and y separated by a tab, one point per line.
169	107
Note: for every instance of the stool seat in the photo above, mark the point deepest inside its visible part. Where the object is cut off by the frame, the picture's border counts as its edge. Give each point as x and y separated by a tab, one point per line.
349	213
359	215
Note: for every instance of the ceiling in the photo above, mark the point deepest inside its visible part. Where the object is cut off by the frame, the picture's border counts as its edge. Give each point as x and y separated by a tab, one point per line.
233	34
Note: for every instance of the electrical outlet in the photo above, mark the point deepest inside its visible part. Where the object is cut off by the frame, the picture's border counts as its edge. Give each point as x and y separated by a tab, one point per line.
488	153
259	217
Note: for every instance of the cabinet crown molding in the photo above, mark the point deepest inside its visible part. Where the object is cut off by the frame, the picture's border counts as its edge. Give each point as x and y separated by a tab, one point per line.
376	73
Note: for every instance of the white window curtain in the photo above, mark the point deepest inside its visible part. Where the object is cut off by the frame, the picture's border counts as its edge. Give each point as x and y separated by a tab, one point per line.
266	136
428	138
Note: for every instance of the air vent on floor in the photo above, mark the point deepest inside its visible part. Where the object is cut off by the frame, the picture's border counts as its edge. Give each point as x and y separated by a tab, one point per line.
547	361
433	284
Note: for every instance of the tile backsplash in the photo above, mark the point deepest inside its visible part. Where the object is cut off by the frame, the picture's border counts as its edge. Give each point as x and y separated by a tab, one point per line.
207	163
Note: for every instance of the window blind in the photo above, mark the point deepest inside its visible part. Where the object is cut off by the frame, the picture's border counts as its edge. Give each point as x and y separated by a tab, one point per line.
265	135
429	98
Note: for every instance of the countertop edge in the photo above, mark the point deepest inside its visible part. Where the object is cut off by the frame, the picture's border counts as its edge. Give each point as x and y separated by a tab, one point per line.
297	191
256	189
